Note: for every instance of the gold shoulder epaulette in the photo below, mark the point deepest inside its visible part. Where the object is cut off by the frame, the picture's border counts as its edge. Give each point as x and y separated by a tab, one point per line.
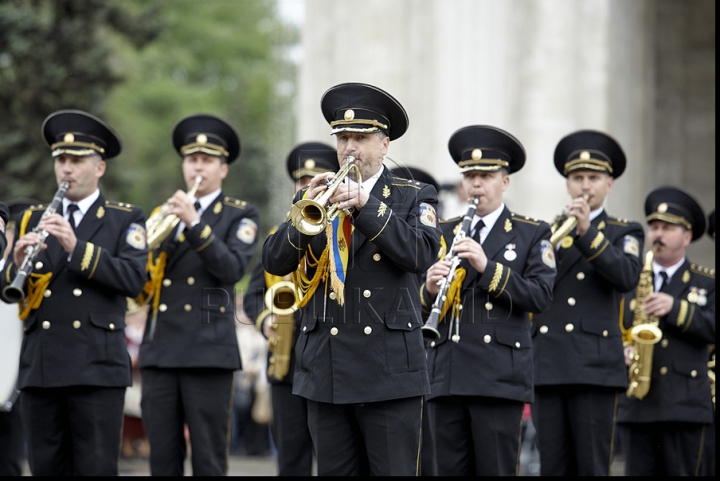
37	207
524	218
450	221
705	271
619	221
237	203
403	182
119	205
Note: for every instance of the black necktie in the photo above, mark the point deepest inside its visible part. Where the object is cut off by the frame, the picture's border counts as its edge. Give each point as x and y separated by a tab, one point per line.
197	205
71	214
664	284
478	227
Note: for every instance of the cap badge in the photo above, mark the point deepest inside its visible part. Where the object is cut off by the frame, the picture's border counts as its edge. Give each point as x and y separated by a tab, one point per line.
69	138
476	154
585	155
310	164
202	139
662	208
349	114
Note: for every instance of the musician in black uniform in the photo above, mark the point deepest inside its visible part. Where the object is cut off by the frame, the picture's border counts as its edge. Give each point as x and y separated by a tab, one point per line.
662	433
290	430
189	350
481	363
577	342
360	359
74	364
708	467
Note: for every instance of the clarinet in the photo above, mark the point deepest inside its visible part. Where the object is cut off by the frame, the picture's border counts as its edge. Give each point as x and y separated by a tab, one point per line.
430	328
15	291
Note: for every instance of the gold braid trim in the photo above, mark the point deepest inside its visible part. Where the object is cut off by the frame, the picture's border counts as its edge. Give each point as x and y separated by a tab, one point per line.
453	293
87	256
496	277
682	315
156	271
502	288
37	283
305	287
689	317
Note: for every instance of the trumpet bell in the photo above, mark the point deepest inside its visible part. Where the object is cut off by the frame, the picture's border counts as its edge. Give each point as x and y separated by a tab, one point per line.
308	216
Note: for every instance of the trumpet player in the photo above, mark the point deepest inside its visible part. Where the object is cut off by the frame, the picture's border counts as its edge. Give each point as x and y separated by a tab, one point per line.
74	365
663	433
359	359
577	344
189	350
481	363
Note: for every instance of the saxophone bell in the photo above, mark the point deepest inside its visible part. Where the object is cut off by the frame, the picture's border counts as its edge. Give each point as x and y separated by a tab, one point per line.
280	300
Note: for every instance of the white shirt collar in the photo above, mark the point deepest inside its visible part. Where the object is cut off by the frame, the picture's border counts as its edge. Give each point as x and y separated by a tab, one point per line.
657	268
206	200
595	213
368	184
83	204
489	220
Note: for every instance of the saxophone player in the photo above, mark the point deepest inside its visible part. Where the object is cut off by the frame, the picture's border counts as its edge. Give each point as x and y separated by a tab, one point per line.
74	365
290	430
662	433
189	351
577	343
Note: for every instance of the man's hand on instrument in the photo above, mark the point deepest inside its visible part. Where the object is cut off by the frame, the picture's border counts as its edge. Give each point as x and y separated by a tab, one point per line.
57	226
350	195
435	275
183	207
467	248
658	304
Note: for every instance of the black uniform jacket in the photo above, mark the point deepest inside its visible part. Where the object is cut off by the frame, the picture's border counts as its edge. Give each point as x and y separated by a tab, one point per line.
578	339
257	309
76	337
370	349
4	216
493	356
679	385
195	325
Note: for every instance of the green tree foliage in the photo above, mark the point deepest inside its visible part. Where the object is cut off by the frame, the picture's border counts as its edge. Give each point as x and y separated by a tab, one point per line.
141	65
55	54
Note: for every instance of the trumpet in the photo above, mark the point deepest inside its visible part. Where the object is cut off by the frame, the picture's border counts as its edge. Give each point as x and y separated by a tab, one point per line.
430	328
563	226
15	291
159	225
310	216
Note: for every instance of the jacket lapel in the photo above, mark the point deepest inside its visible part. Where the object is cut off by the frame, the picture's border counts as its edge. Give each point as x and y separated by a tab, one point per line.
383	183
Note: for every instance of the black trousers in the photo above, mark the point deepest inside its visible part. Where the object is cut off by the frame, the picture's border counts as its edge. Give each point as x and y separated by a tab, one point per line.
73	431
291	432
575	427
198	397
12	443
477	435
378	438
662	448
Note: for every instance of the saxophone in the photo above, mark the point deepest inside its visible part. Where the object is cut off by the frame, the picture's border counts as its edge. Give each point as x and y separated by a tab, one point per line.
280	300
645	333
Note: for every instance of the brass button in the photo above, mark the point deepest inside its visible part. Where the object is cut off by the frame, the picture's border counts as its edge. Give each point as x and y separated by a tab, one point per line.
663	370
334	331
580	276
111	326
517	344
222	309
46	324
377	256
77	292
162	307
569	327
488	306
166	282
76	324
367	330
487	338
664	343
693	373
543	329
332	296
187	307
47	293
571	301
432	344
605	333
38	265
191	281
366	294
